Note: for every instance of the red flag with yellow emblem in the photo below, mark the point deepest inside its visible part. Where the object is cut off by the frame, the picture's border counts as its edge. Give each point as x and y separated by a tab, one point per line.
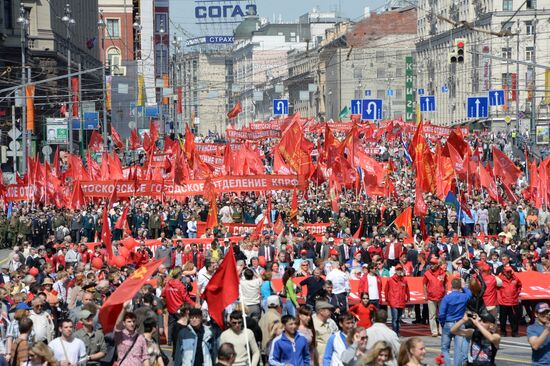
110	310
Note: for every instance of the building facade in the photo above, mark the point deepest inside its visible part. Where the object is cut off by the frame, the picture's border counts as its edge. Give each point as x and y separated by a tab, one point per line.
502	39
367	60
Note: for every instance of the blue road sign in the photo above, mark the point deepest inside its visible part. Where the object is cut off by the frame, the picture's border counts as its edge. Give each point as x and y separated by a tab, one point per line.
478	107
356	106
496	97
152	111
420	91
371	109
280	106
367	93
444	89
91	121
427	103
389	92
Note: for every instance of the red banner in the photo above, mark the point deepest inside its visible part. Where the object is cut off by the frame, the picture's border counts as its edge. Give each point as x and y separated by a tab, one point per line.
253	135
17	192
127	188
536	286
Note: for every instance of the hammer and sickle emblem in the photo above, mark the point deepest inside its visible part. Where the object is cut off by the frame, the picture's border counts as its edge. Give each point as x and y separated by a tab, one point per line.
139	273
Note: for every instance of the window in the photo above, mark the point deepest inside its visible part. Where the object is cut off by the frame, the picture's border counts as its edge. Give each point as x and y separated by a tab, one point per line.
529	27
507	5
379	56
161	20
507	52
380	94
113	56
398	93
530	4
113	28
381	73
529	51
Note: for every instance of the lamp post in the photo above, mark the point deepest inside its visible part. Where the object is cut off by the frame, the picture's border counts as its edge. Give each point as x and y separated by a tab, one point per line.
101	25
68	20
22	20
161	106
137	57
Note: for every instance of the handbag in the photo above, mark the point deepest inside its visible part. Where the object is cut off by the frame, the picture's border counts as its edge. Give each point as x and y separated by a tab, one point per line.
127	352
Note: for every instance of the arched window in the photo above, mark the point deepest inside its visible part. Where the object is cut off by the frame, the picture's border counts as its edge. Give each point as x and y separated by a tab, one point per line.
113	56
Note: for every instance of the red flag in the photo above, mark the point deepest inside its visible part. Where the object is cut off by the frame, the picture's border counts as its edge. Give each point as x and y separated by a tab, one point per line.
444	174
116	167
209	192
111	309
235	111
459	162
505	168
223	288
420	207
357	234
404	220
423	228
456	140
77	198
189	146
180	98
74	86
279	225
464	204
116	138
56	164
488	183
114	197
96	141
106	233
122	220
134	139
269	209
296	150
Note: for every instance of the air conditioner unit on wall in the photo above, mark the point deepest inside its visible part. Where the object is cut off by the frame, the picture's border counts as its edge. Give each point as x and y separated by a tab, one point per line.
118	70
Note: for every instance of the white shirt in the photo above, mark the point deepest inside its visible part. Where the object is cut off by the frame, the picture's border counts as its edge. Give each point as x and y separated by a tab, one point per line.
391	252
250	291
340	281
75	350
373	287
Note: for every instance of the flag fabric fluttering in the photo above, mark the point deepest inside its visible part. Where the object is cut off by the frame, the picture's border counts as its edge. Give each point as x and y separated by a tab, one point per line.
223	288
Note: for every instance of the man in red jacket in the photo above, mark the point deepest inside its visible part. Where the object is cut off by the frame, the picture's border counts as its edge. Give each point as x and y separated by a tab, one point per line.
175	294
508	299
397	296
435	288
492	284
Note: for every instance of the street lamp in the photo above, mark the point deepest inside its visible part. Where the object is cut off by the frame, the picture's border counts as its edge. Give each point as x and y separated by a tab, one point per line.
161	106
101	25
22	20
68	20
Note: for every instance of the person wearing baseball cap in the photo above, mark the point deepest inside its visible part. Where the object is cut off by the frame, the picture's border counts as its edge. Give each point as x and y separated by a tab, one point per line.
397	296
492	283
538	335
435	285
508	300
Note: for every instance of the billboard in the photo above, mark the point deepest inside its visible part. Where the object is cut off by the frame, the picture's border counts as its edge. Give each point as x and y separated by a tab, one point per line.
223	11
542	133
57	131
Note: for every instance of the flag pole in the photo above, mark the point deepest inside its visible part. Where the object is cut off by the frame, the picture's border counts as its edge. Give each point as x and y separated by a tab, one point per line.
245	328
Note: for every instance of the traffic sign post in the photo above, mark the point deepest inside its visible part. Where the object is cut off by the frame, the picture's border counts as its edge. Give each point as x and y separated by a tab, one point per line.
280	106
367	93
371	109
356	106
496	97
420	91
444	89
389	92
427	103
478	107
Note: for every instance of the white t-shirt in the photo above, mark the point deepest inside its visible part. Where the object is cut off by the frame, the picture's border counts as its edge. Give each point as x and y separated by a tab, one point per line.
75	350
373	287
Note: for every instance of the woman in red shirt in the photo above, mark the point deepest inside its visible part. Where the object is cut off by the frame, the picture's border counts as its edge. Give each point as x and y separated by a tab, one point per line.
364	312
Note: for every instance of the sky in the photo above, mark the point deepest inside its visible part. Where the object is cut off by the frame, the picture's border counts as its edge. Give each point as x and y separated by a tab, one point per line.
182	12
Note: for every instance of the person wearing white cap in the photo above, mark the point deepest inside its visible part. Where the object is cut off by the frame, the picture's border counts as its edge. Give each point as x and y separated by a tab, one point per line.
271	317
538	335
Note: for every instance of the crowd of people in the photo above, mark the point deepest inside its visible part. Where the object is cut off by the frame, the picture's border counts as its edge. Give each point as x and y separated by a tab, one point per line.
57	277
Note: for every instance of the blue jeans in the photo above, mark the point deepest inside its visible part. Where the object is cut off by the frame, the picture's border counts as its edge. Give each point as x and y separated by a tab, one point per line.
396	314
289	308
375	303
460	345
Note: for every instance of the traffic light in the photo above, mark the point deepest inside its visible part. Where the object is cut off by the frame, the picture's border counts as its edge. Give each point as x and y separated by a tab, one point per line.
459	46
457	51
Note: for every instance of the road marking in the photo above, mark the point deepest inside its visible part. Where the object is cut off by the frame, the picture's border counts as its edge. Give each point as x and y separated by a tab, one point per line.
4	260
438	350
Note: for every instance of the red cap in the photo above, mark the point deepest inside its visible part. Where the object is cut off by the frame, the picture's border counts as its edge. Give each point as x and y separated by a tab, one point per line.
303	252
289	247
333	252
434	260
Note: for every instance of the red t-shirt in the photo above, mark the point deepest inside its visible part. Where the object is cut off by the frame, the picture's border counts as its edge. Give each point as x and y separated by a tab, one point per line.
364	313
